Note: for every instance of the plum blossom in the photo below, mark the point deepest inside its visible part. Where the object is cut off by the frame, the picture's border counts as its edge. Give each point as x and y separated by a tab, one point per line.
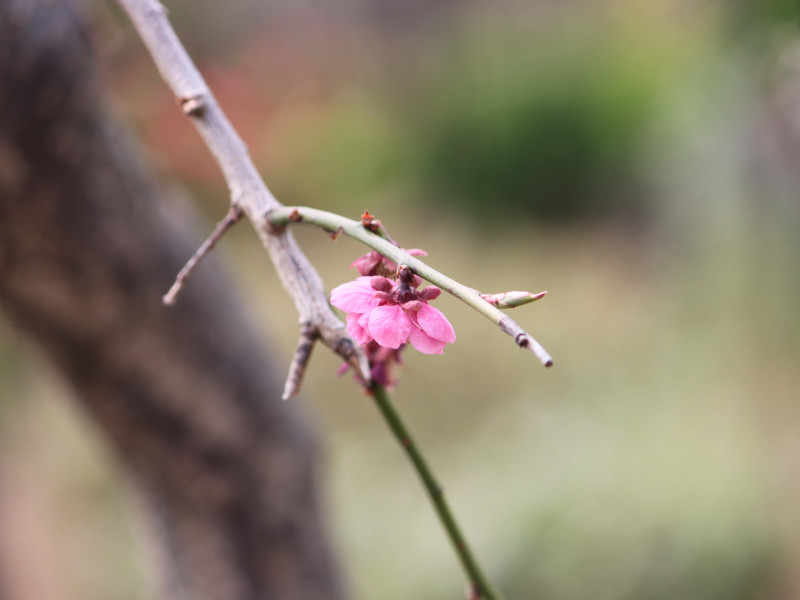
393	313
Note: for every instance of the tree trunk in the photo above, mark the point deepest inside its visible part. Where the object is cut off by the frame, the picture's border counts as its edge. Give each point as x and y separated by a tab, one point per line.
186	396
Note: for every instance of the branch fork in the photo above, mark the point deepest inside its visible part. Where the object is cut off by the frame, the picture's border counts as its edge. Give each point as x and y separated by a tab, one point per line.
250	195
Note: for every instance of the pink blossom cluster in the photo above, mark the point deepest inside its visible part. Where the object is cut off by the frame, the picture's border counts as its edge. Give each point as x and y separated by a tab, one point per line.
386	311
393	313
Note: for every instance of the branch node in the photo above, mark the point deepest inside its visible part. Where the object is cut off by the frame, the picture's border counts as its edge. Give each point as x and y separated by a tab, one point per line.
297	370
373	225
234	214
354	356
192	106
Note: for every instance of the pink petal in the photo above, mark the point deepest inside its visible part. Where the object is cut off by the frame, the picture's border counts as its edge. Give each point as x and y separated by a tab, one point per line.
430	293
355	330
380	374
389	325
412	306
343	369
355	296
425	343
366	263
435	324
380	284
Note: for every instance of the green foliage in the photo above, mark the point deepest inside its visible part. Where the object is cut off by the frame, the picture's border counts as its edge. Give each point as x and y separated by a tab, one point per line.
544	122
750	17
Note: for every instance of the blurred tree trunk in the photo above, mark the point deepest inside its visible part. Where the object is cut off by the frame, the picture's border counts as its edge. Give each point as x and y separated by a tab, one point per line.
186	396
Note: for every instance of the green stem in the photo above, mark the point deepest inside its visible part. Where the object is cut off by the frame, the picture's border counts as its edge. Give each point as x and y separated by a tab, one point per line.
333	223
479	585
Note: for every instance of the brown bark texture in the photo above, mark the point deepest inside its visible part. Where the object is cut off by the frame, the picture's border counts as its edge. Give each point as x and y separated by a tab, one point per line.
187	395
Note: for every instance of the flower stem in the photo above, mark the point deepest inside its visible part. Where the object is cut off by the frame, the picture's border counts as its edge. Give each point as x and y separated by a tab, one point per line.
479	586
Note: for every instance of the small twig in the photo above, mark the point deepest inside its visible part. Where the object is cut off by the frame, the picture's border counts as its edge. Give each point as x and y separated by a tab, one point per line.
234	214
332	222
479	587
297	370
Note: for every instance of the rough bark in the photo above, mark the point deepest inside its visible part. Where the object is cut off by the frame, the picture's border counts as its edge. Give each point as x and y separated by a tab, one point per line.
186	395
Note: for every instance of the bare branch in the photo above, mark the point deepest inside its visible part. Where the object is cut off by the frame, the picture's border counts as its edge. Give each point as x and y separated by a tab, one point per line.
335	223
297	370
233	216
248	191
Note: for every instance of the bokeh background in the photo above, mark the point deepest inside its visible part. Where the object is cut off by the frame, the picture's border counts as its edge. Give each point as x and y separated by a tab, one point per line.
639	160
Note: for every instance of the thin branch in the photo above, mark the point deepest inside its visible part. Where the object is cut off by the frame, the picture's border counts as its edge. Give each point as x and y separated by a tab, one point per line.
233	216
248	191
297	370
479	586
331	222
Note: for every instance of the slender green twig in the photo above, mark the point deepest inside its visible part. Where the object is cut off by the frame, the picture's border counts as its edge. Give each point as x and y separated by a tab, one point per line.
479	585
333	223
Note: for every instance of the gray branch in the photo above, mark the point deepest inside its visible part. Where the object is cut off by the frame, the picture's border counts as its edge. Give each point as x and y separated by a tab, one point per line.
248	190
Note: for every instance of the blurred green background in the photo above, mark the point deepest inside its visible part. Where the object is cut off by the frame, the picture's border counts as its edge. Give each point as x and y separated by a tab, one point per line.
639	160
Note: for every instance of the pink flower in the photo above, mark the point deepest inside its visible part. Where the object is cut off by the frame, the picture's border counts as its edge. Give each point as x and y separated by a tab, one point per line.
393	313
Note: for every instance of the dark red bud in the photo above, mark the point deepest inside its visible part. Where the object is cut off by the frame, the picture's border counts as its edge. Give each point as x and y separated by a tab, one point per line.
412	305
381	284
429	293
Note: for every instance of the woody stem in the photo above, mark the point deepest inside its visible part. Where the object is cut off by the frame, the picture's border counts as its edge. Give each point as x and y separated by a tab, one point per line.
479	586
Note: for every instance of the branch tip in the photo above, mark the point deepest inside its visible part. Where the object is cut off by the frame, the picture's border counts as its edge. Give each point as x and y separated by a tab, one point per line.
234	214
302	355
538	350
